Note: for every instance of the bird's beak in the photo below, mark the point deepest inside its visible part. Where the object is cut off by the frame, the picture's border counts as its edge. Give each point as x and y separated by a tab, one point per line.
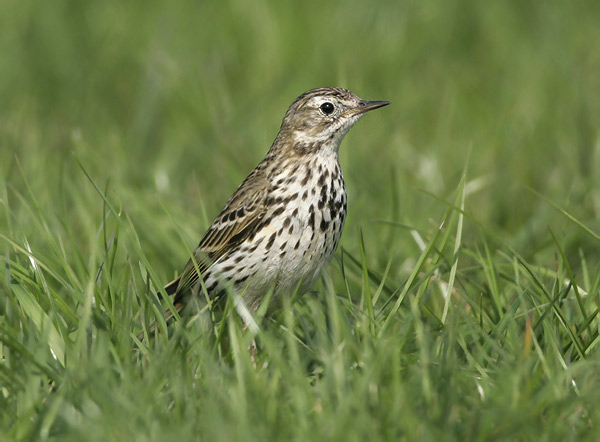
366	106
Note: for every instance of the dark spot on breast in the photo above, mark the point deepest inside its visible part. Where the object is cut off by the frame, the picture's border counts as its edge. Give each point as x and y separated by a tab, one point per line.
323	178
293	170
297	245
324	224
286	222
291	229
332	204
306	176
271	240
305	195
264	224
212	287
311	218
278	211
241	280
238	259
227	269
323	197
283	245
324	192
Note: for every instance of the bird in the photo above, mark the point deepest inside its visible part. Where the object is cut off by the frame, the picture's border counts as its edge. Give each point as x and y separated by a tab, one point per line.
284	222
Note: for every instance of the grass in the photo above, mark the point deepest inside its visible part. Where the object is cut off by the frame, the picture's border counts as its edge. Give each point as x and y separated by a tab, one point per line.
463	302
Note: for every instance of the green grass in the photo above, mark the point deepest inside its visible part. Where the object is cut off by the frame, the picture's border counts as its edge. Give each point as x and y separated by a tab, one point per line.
463	302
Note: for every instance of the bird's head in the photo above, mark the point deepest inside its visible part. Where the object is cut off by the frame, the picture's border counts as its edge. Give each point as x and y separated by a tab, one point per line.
319	118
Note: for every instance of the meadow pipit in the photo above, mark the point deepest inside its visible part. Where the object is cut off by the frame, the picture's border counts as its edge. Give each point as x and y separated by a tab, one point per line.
285	220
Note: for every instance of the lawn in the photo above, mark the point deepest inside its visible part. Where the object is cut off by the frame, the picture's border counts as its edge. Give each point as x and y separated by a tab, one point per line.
463	302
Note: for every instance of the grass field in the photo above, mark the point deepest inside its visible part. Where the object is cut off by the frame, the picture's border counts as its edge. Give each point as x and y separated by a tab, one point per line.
463	302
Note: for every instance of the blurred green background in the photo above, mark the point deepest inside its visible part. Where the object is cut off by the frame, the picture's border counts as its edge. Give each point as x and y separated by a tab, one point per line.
169	105
174	104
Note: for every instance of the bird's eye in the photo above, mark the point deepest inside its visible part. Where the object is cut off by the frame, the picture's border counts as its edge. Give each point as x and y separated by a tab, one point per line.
327	108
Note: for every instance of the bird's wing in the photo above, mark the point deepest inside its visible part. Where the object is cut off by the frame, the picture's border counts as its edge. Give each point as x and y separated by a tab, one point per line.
237	221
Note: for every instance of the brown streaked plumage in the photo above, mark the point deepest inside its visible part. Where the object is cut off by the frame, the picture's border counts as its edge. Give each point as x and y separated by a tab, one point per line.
285	220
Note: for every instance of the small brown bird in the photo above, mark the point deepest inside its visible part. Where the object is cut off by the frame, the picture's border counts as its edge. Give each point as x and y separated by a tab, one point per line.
284	222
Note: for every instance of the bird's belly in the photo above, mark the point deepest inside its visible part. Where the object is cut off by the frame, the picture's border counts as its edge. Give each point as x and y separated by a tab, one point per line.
287	254
296	237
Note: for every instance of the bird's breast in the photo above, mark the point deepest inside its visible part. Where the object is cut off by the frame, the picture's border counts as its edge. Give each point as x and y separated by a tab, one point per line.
305	215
